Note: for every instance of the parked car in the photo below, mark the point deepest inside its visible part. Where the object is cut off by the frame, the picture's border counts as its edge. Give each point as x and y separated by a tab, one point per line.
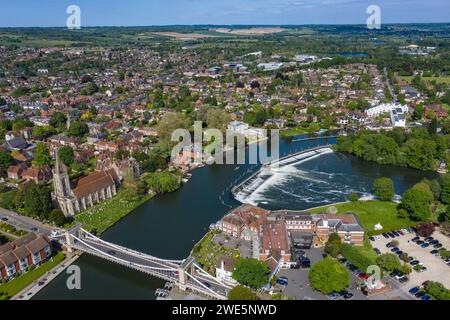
414	290
334	295
420	294
391	235
363	276
389	245
415	239
426	297
403	279
385	235
399	275
434	251
395	250
429	238
347	295
372	238
424	245
419	242
437	246
414	262
377	251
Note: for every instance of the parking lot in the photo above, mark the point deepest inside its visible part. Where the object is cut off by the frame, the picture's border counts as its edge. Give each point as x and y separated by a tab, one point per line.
436	268
298	284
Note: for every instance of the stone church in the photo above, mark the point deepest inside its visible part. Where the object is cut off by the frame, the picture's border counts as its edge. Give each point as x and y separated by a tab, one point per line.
87	191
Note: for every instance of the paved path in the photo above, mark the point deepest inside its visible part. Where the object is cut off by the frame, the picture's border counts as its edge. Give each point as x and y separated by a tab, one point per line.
33	288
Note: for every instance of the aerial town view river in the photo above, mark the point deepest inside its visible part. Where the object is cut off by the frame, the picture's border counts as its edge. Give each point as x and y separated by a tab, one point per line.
169	225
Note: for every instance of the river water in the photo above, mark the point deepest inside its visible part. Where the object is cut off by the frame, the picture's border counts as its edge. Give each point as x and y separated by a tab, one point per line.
170	224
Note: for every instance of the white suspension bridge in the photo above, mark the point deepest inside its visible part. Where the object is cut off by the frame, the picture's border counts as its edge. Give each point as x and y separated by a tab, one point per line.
186	274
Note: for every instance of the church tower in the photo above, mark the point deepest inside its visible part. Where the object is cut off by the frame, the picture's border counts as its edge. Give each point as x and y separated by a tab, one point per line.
62	192
61	182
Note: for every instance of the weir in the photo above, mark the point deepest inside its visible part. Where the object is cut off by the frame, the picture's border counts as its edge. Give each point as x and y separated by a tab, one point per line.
245	187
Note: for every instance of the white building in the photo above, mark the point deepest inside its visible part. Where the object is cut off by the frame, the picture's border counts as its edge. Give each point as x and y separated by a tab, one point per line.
224	270
244	129
398	117
385	108
270	66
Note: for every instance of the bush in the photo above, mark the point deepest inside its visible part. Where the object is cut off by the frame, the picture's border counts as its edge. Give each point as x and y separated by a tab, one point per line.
388	262
353	197
437	290
402	213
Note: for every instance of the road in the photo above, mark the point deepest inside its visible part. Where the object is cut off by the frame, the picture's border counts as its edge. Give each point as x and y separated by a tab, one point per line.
391	90
25	223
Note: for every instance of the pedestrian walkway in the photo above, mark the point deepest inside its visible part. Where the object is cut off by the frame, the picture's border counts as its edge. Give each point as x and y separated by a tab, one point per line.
37	285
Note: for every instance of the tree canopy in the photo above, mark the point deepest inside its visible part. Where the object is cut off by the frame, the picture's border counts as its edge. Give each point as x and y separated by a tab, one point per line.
241	293
328	275
251	272
384	189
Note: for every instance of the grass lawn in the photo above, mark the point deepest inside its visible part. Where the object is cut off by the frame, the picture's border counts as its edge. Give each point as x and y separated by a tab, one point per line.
372	212
14	286
442	79
107	213
207	253
292	132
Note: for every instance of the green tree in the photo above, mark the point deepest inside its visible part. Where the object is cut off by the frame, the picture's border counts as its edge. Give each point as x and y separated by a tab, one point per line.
5	160
417	203
437	290
333	245
384	189
353	197
420	153
328	275
217	119
169	123
37	201
65	154
162	182
241	293
432	127
57	217
388	261
251	272
58	120
77	129
445	189
41	155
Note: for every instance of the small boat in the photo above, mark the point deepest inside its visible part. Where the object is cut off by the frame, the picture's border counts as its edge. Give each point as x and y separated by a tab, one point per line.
237	168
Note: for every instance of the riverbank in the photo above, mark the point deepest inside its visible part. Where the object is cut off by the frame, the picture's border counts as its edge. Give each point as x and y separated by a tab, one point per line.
37	285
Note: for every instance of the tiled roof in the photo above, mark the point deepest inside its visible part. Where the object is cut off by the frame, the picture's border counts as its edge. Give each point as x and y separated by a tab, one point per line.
94	182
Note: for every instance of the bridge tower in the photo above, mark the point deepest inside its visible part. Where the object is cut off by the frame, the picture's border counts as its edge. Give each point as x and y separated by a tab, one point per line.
69	241
182	270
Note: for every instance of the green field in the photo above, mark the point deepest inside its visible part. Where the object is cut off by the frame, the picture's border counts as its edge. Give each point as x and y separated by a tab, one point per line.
292	132
107	213
441	79
372	212
11	288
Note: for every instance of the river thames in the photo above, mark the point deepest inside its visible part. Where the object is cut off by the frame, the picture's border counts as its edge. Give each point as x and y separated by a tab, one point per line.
169	225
